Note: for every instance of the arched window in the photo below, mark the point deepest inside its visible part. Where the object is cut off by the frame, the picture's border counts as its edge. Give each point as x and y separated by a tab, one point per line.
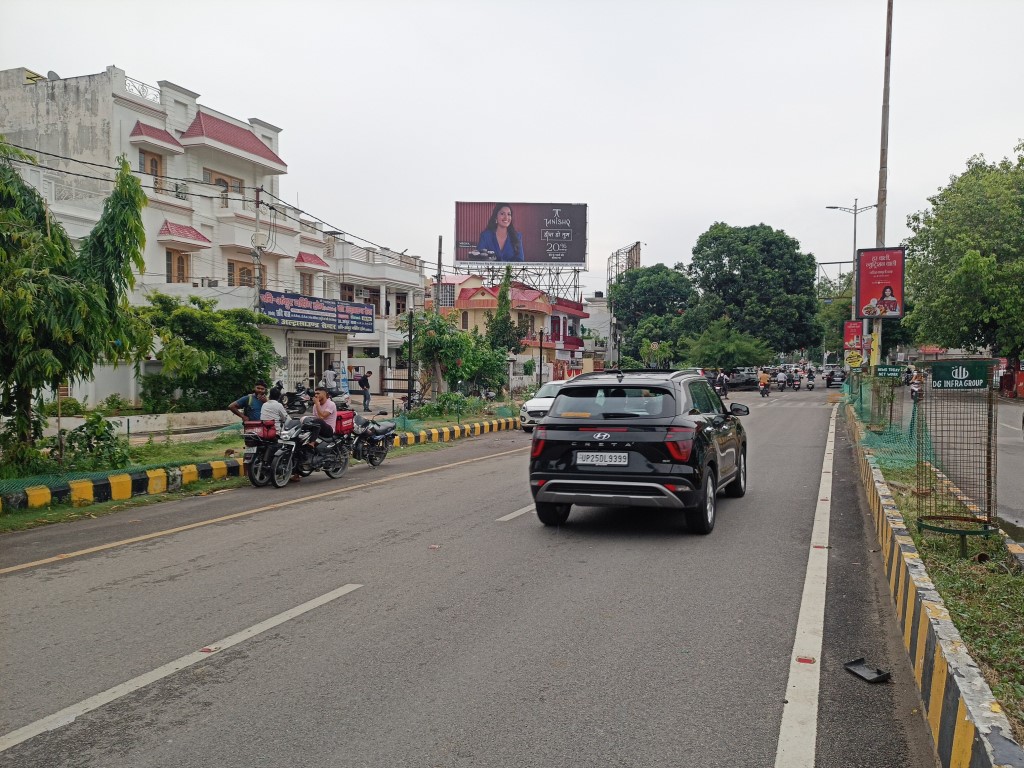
465	321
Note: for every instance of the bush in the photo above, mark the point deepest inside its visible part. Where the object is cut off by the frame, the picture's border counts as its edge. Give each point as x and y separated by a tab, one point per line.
113	404
69	406
94	445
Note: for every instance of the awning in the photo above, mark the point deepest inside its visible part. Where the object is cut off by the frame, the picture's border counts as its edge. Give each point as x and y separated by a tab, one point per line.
311	261
182	236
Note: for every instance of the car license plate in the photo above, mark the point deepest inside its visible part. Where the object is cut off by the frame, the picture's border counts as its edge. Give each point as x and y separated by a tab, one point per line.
250	451
603	459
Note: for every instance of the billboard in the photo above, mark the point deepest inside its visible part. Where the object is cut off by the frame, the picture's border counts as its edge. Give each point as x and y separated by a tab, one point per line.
852	351
880	283
534	233
319	314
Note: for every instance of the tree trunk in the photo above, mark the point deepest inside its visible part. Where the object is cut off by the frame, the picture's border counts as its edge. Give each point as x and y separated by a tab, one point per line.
23	415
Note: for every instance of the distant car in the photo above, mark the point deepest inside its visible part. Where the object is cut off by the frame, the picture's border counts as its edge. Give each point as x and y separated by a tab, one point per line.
743	377
835	377
642	440
536	408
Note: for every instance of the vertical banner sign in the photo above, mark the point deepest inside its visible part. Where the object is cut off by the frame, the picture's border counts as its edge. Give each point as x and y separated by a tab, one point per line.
880	283
852	354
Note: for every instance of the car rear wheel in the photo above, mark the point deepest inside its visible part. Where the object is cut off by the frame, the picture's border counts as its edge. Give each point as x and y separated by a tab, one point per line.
527	430
702	519
738	487
553	514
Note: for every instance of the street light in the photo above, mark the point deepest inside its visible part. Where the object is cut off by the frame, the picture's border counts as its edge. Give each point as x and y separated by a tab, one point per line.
853	283
540	359
855	210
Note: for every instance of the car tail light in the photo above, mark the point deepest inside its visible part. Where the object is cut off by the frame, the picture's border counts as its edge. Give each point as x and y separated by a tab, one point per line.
679	442
539	436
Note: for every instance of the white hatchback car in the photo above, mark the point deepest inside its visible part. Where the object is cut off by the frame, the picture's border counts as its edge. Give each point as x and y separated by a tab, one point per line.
537	407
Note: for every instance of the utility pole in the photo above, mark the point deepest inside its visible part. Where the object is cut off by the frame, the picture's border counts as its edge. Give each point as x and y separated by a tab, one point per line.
437	283
853	283
257	255
883	172
540	359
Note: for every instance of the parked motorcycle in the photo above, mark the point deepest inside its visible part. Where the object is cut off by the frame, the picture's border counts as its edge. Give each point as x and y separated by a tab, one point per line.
302	451
296	402
261	443
371	440
416	401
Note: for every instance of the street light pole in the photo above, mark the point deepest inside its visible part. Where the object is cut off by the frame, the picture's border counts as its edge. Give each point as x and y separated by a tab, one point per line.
408	362
853	283
540	359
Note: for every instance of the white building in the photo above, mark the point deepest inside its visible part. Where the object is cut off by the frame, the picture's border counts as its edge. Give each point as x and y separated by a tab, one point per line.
214	224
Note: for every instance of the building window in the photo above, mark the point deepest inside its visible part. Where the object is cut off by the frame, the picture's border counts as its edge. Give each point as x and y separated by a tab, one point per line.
401	303
153	164
306	283
347	293
178	267
225	182
243	273
465	321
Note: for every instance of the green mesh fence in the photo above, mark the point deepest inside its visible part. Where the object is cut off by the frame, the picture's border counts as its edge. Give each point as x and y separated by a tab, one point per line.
890	419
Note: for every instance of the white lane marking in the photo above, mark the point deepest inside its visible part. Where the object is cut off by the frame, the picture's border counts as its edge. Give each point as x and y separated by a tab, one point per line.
68	714
513	515
799	728
1011	426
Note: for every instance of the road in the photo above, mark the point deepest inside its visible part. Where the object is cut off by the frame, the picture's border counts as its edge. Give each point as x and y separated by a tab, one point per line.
420	615
1010	466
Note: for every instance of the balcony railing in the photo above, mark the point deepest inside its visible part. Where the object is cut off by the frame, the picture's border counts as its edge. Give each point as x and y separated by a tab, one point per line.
142	90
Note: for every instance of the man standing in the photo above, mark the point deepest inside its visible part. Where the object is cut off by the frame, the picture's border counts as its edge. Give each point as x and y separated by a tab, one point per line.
252	404
331	379
364	385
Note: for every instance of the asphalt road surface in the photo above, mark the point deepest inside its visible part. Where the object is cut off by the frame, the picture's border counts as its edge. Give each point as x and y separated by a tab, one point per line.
420	615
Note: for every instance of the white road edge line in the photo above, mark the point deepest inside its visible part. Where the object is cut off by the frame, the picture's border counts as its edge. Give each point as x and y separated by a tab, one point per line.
514	515
67	715
799	730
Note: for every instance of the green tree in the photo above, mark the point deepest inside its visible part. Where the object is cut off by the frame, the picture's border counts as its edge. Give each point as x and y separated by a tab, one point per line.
502	334
442	349
212	355
64	312
965	260
721	346
763	280
649	291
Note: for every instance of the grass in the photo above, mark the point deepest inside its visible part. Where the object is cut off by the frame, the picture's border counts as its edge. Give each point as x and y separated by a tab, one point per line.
165	452
985	600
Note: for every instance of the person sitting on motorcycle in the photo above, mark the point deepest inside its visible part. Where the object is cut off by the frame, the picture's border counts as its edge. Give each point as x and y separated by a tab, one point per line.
326	411
722	380
273	410
781	378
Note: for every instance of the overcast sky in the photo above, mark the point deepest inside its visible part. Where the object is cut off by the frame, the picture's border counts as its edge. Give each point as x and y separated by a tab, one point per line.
663	116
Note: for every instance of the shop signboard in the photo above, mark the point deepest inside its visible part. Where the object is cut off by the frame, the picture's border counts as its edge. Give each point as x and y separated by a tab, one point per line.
316	313
888	371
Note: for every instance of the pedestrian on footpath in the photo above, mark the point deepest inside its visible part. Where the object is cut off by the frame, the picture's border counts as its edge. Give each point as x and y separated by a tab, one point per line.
330	379
252	404
364	385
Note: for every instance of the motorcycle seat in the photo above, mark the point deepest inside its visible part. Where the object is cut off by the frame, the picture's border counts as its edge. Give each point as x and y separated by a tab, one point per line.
382	428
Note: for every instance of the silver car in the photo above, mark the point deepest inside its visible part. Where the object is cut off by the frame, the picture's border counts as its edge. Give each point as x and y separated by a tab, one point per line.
537	407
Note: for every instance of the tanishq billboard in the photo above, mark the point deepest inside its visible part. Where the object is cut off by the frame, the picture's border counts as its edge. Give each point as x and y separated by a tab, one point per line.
880	283
534	233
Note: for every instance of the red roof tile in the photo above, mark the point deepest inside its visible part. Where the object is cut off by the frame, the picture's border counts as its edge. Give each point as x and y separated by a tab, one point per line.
152	132
233	135
310	260
170	229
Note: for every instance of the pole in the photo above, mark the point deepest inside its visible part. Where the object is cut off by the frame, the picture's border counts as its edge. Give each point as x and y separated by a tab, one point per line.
540	359
408	402
883	170
437	297
257	254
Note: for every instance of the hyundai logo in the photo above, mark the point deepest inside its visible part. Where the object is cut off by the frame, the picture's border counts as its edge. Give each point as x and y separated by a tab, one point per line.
602	436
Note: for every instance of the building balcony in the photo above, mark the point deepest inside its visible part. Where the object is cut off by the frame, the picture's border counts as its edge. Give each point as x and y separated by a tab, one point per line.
572	342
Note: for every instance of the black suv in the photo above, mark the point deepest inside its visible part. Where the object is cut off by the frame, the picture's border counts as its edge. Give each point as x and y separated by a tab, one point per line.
645	438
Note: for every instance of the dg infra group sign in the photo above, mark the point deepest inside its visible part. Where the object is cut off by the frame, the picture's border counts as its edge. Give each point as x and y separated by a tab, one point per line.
961	374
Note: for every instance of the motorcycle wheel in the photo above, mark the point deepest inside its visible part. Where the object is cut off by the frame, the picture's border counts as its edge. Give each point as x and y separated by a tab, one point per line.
377	453
337	469
281	469
258	472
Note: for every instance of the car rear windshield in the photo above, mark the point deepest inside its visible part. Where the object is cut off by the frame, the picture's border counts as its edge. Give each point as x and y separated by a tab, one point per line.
613	402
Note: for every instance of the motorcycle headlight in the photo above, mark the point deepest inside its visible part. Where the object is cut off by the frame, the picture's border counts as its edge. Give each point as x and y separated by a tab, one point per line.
289	434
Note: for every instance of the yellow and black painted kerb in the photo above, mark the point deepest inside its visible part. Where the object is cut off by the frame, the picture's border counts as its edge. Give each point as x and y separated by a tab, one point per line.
967	724
119	486
447	434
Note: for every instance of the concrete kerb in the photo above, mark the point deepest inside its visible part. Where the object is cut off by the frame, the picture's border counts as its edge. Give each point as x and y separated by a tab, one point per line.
119	486
966	722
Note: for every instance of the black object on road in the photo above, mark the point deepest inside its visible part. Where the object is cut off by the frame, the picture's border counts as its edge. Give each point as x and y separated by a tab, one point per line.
863	671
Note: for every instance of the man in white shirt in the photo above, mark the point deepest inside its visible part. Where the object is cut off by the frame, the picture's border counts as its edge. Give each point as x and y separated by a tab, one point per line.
273	409
331	378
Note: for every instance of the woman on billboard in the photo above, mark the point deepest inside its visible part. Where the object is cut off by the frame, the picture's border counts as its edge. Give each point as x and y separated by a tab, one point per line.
500	237
888	301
